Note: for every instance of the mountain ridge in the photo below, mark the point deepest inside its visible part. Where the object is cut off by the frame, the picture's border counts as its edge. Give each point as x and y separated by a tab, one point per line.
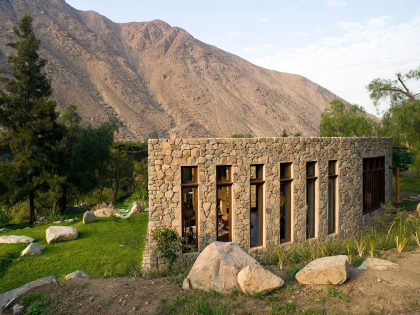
159	80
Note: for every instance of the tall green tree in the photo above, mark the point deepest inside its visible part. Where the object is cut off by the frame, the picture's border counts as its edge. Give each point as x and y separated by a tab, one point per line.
345	120
401	121
28	120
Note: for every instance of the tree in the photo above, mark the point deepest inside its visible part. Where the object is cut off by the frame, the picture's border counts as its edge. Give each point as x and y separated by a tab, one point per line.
28	120
85	152
345	120
401	121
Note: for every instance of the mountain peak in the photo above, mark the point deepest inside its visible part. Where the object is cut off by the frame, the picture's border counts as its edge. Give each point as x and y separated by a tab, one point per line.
160	81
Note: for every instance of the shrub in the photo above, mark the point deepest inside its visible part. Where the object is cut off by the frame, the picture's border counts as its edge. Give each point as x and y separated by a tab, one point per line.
168	245
4	217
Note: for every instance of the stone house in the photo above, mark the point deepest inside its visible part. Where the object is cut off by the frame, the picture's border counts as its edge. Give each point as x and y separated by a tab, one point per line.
261	192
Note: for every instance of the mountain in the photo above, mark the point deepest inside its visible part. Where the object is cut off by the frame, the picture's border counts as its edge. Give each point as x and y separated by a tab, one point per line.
159	80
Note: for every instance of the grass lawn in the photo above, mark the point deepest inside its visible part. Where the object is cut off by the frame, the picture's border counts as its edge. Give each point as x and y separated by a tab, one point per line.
105	248
410	184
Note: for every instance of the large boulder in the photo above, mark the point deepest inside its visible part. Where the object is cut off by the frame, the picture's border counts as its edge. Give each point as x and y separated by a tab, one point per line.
326	270
89	217
377	264
32	250
56	234
15	239
78	274
217	268
255	279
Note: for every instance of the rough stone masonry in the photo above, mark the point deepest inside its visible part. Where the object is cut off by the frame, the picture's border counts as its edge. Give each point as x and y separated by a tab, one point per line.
168	156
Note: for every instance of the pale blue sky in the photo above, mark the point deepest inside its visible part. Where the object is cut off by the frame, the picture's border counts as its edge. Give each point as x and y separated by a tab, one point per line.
340	44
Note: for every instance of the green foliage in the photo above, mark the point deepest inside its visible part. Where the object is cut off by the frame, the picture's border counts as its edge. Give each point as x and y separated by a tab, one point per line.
36	303
402	157
168	244
242	135
107	248
345	120
28	119
401	121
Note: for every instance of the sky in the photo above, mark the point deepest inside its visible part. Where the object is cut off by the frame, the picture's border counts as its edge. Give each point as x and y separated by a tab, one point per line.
339	44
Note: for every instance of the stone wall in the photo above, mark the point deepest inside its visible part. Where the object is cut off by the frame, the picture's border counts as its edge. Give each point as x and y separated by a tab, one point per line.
166	156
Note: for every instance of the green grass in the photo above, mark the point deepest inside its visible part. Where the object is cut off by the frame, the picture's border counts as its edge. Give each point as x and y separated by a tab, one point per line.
410	184
105	248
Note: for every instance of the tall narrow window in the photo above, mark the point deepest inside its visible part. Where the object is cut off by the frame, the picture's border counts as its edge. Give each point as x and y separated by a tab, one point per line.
310	199
332	196
224	203
285	202
373	183
189	187
256	201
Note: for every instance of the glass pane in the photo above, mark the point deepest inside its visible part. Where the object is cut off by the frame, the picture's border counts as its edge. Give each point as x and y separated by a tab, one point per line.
285	211
310	169
331	205
223	173
257	172
189	213
223	213
332	167
188	174
285	170
256	208
310	213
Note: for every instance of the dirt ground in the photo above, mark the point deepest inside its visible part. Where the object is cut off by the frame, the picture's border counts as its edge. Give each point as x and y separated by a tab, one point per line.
366	292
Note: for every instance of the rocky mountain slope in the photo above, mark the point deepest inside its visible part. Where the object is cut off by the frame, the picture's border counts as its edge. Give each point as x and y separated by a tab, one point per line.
158	80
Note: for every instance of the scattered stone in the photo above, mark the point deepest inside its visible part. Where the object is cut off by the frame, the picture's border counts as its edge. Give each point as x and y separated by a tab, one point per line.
42	220
32	250
70	220
217	268
377	264
18	309
255	279
136	207
78	274
3	230
146	303
8	298
56	234
57	222
326	270
15	239
89	217
103	212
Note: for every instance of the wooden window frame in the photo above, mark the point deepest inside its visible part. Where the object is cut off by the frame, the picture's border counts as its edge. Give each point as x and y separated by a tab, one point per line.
221	183
190	184
259	183
332	176
311	180
288	179
373	183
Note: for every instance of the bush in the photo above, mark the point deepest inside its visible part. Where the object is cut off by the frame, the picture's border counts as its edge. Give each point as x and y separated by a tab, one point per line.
4	217
168	245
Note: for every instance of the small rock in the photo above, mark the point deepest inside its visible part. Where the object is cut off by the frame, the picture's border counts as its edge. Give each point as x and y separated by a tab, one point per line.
91	299
146	303
134	308
103	212
89	217
56	234
78	274
135	208
18	309
15	239
3	230
57	222
32	250
377	264
326	270
379	280
255	279
70	220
